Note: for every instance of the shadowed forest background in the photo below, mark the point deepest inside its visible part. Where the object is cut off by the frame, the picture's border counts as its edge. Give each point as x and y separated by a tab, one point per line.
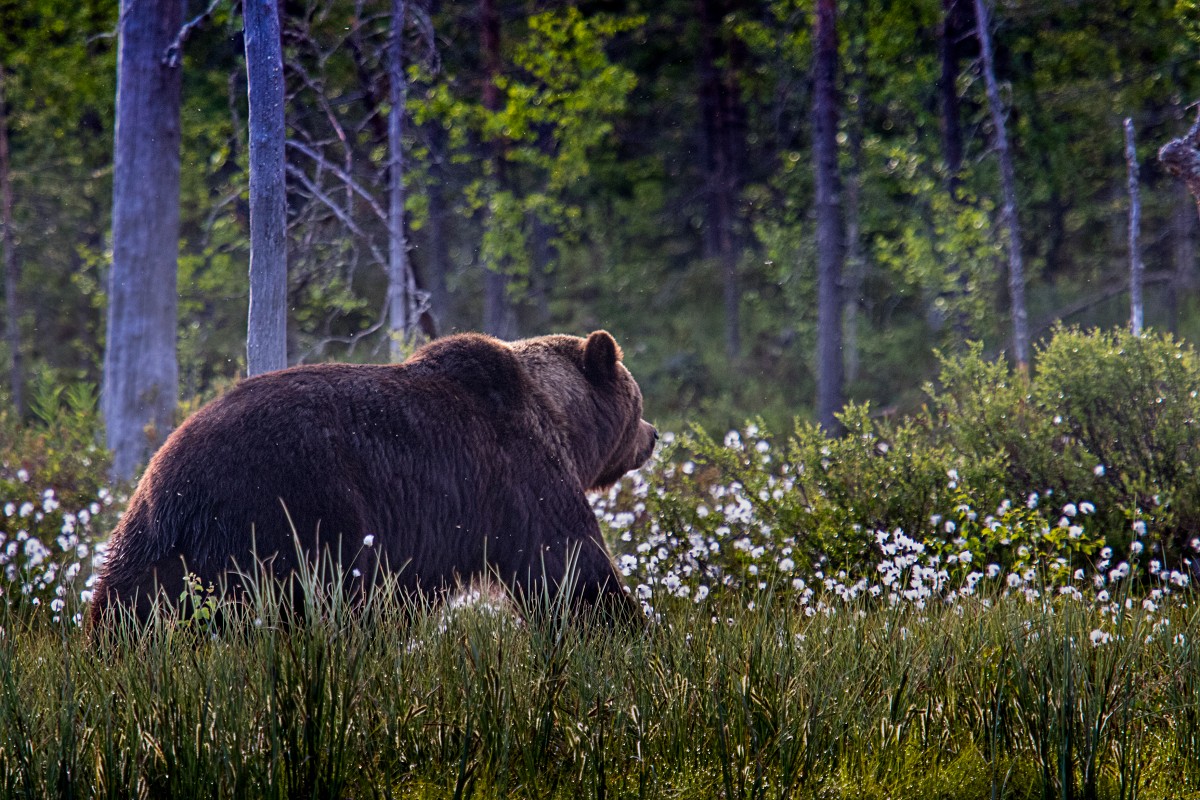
646	167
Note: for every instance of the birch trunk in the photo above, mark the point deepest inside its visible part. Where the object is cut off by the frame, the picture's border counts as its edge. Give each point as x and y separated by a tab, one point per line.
141	373
1135	225
266	339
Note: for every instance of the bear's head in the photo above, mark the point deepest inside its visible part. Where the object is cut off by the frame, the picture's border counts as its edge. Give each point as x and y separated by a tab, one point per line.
595	401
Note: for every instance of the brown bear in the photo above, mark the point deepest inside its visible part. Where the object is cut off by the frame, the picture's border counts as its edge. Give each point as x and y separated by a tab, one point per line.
471	457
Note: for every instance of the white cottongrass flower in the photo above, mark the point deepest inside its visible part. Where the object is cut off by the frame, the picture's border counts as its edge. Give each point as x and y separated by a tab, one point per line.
369	540
1086	508
1100	637
1070	510
23	475
1136	547
1098	471
786	565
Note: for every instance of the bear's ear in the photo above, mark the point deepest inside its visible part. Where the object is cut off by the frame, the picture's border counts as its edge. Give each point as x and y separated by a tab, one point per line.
600	357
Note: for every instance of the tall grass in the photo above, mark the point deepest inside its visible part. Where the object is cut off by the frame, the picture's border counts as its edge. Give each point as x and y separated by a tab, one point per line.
985	697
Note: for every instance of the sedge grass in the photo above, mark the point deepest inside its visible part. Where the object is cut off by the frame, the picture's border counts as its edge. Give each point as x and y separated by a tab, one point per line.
987	697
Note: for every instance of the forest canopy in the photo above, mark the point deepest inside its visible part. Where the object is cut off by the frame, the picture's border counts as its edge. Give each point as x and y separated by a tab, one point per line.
643	167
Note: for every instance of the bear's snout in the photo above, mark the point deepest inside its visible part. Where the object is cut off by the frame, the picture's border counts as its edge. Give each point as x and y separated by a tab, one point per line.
648	435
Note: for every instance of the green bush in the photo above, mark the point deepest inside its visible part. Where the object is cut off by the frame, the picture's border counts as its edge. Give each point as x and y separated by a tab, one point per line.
1086	468
55	504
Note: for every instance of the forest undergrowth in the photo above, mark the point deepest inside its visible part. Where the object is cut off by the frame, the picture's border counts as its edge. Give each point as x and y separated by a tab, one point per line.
993	598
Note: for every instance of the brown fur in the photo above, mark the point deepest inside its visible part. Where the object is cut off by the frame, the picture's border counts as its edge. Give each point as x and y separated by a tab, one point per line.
472	456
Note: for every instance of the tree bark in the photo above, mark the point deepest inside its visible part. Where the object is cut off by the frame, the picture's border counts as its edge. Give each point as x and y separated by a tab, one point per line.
437	247
1008	181
1135	224
400	277
499	316
951	124
830	239
1183	254
12	307
141	373
266	341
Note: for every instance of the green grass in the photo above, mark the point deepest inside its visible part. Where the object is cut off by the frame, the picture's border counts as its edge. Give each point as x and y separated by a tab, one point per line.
983	698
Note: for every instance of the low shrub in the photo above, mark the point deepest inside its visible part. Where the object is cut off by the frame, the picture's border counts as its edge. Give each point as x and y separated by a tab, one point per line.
55	502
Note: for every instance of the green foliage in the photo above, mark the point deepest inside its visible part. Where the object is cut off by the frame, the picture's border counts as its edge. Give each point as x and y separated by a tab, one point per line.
1088	467
1107	417
54	497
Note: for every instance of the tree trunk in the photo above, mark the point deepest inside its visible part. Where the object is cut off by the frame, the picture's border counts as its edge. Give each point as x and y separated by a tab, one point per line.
12	308
141	373
266	341
400	277
437	248
1135	224
1183	254
951	125
1008	181
499	316
830	239
718	109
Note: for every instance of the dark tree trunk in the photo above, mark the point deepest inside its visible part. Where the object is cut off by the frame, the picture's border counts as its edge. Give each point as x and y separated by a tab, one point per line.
437	248
401	288
1136	312
1183	254
266	341
720	117
12	307
141	373
830	239
951	125
1008	181
499	316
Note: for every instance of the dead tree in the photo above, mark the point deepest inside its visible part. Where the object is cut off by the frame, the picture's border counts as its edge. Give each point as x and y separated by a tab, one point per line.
1135	223
1008	182
266	335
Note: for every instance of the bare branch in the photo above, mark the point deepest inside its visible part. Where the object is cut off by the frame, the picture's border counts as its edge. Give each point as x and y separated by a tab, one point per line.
342	175
174	54
337	210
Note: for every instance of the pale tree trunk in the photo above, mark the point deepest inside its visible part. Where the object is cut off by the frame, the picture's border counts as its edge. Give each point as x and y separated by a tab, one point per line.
830	240
400	278
266	340
1008	181
141	374
499	316
1135	224
12	275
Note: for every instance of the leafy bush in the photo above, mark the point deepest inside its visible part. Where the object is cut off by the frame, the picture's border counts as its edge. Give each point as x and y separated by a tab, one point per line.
1087	468
1107	416
55	504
